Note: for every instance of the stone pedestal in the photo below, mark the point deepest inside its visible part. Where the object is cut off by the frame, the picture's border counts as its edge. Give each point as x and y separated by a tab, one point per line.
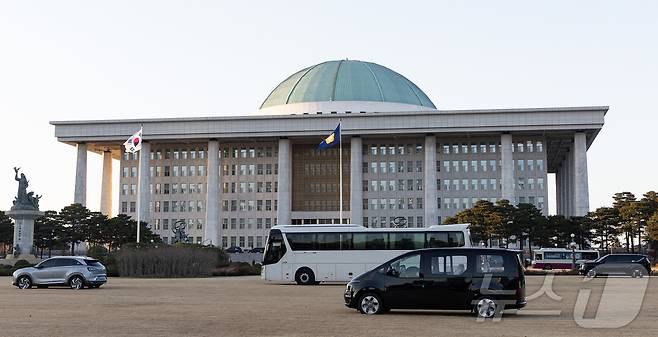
24	232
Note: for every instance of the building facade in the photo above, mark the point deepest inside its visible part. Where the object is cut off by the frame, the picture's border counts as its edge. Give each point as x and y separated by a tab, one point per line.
229	179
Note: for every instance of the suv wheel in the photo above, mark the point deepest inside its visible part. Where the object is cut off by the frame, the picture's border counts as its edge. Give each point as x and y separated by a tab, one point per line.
486	307
637	273
305	276
371	304
76	283
24	282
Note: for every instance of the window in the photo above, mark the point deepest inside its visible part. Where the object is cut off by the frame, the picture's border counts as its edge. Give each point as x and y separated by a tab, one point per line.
489	264
442	265
406	267
445	239
406	241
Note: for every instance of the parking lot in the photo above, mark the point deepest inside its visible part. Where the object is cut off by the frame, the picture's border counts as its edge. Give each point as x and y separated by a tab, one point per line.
246	306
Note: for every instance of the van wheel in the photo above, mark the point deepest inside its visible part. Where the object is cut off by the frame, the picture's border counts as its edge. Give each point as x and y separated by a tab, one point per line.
637	273
591	273
24	282
371	304
305	276
486	307
76	283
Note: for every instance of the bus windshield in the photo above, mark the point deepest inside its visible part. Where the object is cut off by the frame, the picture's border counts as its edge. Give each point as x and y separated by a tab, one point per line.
275	248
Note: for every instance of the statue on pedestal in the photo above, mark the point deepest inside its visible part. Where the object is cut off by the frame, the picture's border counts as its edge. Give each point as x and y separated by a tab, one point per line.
24	200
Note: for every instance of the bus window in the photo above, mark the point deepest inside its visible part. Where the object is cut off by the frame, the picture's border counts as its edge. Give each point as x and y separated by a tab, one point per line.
369	241
346	241
302	241
445	239
590	255
437	239
406	241
275	248
328	241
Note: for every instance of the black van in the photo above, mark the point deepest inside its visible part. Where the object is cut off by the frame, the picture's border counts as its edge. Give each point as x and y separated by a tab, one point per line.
484	280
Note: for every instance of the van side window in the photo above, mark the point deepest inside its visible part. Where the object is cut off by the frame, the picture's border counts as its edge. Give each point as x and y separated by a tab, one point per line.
444	265
406	267
490	264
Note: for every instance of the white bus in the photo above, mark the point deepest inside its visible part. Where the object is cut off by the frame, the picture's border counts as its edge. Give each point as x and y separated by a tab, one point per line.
309	254
560	258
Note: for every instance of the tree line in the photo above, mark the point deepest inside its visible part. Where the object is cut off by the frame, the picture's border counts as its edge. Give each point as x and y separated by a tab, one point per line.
74	224
627	225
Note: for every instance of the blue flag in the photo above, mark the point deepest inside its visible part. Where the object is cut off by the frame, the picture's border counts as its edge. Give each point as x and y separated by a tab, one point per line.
333	139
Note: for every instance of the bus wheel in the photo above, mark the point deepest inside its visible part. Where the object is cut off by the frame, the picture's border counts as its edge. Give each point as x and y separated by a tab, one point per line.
305	276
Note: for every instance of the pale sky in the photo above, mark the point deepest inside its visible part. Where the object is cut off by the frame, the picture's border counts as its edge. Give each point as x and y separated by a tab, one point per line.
70	60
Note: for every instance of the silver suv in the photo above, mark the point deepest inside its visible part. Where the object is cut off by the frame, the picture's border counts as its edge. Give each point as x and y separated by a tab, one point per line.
73	271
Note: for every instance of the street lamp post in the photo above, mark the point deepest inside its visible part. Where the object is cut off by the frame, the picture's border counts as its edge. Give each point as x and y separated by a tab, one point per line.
573	252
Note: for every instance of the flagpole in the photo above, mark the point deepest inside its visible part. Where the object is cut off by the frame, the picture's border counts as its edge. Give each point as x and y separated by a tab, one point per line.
340	170
139	184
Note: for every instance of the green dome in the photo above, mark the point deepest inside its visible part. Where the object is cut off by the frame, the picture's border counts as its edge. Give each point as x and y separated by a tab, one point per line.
347	80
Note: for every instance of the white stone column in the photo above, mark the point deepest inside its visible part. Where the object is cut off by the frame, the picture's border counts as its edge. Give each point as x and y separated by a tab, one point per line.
558	191
80	195
144	196
106	185
211	233
507	168
581	188
284	196
356	181
431	207
568	190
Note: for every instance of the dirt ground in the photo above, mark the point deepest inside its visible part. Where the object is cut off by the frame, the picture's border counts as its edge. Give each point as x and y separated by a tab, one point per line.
246	306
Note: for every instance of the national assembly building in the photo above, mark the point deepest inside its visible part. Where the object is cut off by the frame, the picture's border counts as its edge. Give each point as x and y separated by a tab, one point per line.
232	178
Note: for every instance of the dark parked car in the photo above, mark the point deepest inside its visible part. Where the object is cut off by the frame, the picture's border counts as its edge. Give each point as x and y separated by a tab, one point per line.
234	249
634	265
260	250
483	280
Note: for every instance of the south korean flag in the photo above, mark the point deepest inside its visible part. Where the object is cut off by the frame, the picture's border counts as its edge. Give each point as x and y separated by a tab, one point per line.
134	143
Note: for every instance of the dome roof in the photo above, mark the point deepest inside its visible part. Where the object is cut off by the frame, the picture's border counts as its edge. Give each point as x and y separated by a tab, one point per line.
347	80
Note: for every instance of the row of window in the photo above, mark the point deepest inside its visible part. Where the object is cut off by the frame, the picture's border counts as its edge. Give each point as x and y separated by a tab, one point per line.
169	154
392	185
393	203
247	223
324	205
199	240
241	243
175	188
474	148
392	167
166	206
374	241
250	169
167	171
163	224
465	203
323	169
392	149
248	152
249	205
250	187
385	222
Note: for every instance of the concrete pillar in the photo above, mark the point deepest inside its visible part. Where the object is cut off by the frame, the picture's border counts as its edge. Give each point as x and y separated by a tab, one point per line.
507	168
284	196
558	197
144	195
356	180
568	189
211	232
431	207
80	195
581	188
106	185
